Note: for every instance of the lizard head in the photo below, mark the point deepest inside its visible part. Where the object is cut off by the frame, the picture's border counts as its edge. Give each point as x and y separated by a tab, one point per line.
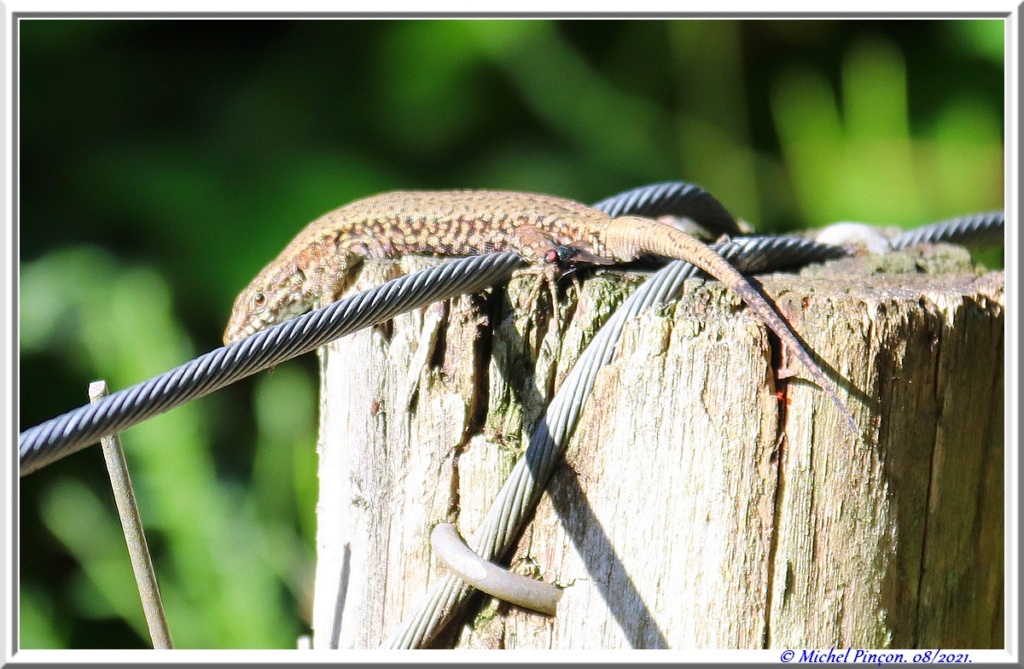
267	301
569	256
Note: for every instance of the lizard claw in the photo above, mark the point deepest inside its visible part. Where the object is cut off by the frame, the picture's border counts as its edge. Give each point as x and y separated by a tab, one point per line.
545	274
559	261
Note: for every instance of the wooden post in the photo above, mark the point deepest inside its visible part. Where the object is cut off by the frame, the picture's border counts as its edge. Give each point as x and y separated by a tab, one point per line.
681	519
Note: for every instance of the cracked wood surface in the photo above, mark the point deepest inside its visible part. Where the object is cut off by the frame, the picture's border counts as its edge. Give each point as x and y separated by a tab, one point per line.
680	519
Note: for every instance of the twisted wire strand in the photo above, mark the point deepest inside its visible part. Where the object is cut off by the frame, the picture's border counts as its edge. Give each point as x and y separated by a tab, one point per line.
524	486
673	197
70	432
984	229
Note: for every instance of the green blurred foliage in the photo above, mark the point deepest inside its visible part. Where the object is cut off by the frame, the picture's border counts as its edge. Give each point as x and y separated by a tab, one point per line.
162	163
230	550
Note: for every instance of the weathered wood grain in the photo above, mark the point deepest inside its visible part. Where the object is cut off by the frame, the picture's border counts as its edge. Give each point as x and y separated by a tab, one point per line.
696	508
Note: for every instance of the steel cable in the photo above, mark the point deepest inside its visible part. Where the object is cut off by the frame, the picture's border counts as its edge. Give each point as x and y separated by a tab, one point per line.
676	198
523	487
70	432
74	430
975	230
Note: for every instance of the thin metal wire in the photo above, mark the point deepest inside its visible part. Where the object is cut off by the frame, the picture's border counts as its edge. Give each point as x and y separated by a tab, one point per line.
488	577
523	487
70	432
134	534
975	230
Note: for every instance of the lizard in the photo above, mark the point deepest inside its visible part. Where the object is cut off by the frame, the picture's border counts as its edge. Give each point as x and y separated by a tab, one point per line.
550	233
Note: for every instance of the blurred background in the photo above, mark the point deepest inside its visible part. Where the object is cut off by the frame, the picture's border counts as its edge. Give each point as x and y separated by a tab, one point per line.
163	163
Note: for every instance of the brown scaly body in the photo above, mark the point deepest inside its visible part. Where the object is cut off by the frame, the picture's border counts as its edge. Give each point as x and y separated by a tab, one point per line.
319	265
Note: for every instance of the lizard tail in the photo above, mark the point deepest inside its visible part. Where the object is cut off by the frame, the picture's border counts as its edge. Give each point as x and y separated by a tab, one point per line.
630	237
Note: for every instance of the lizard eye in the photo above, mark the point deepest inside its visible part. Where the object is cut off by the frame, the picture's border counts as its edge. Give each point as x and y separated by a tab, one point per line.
563	256
259	300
